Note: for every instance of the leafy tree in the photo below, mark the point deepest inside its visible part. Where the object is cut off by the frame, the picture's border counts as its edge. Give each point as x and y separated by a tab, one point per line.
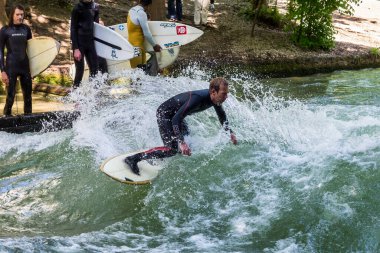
313	21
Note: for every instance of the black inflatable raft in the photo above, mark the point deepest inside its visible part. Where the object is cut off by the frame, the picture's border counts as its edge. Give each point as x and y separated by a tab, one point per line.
35	122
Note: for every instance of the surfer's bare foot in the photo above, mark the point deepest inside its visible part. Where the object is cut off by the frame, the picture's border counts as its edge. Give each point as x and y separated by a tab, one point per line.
132	163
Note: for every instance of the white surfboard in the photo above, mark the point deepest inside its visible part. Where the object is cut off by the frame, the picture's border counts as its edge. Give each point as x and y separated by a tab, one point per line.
116	168
170	36
111	45
113	67
167	34
41	52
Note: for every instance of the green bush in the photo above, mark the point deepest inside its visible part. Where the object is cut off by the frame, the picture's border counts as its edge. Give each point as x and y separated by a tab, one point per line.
267	15
375	51
54	79
312	21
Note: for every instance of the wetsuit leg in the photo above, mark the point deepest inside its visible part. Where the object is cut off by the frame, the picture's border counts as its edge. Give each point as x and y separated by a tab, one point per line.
11	92
170	148
91	58
102	65
26	86
170	144
79	70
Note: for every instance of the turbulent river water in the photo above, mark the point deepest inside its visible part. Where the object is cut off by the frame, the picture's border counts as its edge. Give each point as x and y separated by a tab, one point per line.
305	176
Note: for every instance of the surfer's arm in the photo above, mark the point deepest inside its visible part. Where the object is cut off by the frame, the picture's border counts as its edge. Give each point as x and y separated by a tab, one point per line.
222	117
2	48
143	21
223	120
4	76
29	36
74	28
96	10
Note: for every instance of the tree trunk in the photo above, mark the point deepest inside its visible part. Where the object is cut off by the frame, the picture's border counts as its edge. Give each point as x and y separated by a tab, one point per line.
3	15
158	10
258	6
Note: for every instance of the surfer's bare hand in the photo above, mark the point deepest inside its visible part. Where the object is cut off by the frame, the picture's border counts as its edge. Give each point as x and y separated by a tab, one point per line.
185	149
233	139
157	48
77	55
4	78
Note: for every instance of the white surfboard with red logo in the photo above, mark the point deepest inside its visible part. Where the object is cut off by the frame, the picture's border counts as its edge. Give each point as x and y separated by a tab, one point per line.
167	34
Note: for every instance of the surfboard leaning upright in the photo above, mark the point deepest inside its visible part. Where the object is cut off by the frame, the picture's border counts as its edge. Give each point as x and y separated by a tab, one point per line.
111	45
41	53
169	35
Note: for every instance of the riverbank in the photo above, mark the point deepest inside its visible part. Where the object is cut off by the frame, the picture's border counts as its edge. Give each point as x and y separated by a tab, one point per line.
271	52
226	43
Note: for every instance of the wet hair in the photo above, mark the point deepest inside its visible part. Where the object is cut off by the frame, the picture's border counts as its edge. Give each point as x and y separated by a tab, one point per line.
145	2
19	7
216	82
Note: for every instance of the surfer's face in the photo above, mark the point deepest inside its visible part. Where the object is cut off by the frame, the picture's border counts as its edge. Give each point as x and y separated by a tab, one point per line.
218	97
18	17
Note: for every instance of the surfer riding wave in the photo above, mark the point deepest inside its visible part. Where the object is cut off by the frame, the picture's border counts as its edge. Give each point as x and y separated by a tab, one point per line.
172	127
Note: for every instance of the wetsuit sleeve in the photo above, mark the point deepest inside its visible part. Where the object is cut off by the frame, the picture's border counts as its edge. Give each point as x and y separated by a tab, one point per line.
96	9
29	36
74	28
181	114
222	117
143	20
2	47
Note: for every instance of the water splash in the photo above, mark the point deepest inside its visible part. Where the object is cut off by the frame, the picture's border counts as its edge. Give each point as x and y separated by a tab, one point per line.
303	173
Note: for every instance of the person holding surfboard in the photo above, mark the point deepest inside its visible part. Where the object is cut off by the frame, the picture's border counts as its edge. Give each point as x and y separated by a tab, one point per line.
83	16
138	31
170	119
15	37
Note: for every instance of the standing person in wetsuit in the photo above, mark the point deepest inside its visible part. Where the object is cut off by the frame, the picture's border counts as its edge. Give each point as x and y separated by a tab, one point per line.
170	119
14	37
138	31
83	16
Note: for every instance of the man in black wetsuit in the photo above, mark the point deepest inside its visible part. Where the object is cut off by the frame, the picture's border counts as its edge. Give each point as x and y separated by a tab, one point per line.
83	16
14	37
170	118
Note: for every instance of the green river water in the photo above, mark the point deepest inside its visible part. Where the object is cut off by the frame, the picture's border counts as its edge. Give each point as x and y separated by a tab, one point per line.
305	176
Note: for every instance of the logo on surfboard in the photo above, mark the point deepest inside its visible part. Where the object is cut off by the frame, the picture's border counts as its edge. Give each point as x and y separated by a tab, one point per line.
172	44
181	30
164	25
121	27
113	54
136	51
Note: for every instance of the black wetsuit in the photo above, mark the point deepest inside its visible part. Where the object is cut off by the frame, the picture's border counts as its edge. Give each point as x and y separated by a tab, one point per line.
15	38
170	118
83	17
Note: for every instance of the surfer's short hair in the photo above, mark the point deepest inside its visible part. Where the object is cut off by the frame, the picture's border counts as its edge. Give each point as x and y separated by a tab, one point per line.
12	13
216	82
146	2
